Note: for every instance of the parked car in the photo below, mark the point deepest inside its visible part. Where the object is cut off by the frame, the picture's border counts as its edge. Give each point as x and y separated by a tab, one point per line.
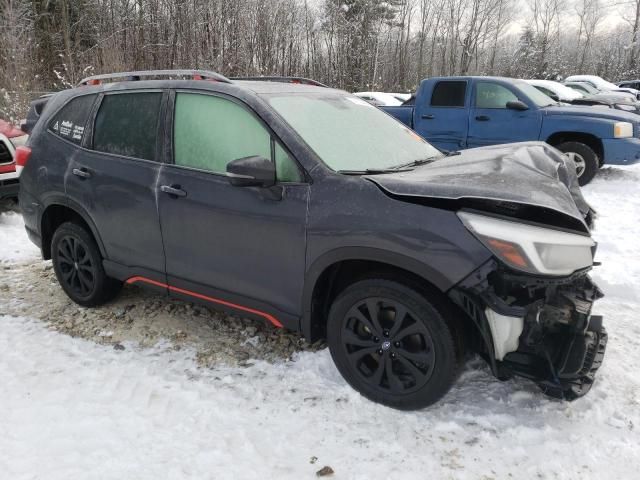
310	209
379	99
455	113
601	84
401	97
634	84
610	100
556	90
10	137
582	87
561	93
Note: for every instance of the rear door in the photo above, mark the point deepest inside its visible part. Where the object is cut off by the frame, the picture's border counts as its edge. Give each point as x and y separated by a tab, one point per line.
240	247
491	122
114	178
442	119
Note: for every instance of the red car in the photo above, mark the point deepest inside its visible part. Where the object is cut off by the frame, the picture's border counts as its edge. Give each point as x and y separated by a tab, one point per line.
10	138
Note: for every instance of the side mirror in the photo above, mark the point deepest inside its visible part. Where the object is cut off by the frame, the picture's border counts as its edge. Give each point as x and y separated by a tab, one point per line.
517	105
253	171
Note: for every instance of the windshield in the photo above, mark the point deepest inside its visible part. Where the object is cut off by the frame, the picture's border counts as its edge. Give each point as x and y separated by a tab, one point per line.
348	133
535	95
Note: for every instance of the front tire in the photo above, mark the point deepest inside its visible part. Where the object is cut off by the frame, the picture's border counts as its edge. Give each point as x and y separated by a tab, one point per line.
585	158
391	344
78	266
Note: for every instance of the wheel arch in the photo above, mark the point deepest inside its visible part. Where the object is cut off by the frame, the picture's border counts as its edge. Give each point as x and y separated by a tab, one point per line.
59	211
352	264
588	139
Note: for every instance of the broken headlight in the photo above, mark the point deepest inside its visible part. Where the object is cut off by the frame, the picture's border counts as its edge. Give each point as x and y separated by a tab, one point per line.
530	248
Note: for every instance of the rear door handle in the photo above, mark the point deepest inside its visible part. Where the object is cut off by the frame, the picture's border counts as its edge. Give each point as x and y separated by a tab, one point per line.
173	190
428	117
81	172
482	118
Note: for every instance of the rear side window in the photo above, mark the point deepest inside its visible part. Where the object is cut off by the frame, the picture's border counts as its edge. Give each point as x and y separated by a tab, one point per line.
69	123
127	124
449	94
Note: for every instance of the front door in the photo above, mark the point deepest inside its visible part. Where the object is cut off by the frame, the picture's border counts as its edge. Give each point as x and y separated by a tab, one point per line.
113	179
491	122
239	247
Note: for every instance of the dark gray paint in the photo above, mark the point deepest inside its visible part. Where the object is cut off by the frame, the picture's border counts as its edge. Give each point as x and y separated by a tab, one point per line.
241	245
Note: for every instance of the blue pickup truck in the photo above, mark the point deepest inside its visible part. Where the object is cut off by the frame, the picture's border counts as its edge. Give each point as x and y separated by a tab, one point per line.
455	113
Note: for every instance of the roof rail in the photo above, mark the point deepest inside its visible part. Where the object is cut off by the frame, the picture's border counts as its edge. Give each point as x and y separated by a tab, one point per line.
133	76
300	80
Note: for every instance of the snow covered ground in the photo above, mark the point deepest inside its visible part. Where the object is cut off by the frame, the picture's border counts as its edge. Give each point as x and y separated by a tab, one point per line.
74	408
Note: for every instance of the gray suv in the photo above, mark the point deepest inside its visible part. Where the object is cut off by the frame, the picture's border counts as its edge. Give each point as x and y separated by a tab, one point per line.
310	209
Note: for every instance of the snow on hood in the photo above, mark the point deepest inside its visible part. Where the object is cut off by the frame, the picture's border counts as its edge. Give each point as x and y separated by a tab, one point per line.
528	173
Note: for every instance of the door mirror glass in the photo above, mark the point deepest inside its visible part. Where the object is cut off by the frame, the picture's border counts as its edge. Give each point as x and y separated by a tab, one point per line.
517	105
255	171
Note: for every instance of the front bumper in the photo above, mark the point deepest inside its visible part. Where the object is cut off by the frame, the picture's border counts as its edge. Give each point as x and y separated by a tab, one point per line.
558	343
621	151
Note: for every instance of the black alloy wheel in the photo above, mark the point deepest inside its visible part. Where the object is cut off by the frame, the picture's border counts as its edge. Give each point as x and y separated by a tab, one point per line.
385	343
78	266
392	344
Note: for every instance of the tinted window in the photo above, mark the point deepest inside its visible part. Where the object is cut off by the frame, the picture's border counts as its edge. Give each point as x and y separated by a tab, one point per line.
449	94
492	95
69	123
210	132
127	124
5	153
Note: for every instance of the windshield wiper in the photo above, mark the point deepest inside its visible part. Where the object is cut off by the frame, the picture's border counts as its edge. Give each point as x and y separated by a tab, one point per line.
417	163
372	171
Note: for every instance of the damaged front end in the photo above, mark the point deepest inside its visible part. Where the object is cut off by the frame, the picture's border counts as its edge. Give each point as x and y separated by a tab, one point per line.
536	327
532	303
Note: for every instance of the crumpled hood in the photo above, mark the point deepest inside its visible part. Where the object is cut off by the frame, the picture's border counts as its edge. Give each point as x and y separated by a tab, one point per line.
528	173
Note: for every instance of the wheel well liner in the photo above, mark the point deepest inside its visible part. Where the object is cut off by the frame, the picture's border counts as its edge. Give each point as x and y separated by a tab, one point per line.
55	215
334	271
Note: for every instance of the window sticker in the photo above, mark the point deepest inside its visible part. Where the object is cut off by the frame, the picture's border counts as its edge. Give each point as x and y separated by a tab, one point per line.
65	128
77	132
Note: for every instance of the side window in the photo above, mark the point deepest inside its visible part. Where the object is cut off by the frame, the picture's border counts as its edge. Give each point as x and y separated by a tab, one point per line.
69	123
209	132
492	95
127	124
546	91
449	94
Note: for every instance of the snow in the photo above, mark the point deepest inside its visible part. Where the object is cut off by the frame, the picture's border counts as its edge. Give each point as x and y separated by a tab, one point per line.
70	408
15	247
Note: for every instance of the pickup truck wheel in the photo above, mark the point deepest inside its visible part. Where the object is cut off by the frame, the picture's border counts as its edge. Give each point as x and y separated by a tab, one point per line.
391	344
78	266
584	157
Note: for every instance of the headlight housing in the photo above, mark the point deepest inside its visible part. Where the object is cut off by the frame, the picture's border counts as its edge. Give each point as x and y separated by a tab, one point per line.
622	130
529	248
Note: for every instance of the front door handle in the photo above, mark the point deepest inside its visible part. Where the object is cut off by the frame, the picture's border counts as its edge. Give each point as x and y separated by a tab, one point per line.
482	118
173	190
428	117
81	172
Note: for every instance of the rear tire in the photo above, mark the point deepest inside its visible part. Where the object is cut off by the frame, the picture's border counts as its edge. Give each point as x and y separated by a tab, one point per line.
406	362
78	266
585	158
